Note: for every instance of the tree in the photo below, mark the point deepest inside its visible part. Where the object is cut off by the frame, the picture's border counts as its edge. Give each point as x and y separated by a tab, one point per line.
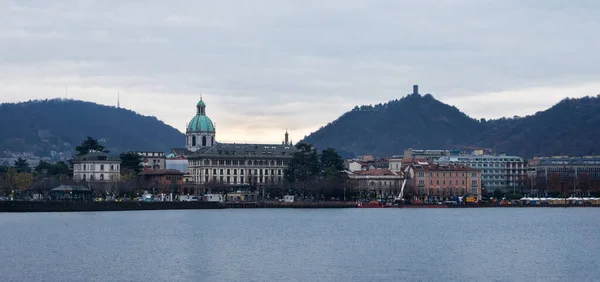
90	144
332	164
131	163
583	184
21	165
555	183
23	180
9	180
59	168
304	165
498	194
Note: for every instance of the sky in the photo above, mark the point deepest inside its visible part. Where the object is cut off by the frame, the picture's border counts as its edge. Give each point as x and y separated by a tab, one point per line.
266	65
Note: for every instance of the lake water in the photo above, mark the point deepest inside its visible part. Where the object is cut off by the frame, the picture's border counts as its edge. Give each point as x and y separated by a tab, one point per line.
543	244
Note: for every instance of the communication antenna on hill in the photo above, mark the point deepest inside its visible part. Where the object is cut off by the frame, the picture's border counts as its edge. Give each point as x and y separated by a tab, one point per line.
66	92
118	100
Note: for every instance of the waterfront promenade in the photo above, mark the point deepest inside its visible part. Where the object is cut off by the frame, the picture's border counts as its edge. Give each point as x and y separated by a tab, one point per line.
66	206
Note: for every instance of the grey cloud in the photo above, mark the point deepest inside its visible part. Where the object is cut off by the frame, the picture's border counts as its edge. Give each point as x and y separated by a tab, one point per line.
299	63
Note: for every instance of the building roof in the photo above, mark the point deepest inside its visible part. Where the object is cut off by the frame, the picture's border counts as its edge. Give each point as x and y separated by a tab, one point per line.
68	188
563	160
245	150
479	158
201	123
97	156
179	152
443	167
374	172
161	172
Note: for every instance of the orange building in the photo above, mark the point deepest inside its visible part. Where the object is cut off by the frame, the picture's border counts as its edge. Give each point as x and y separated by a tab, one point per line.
444	181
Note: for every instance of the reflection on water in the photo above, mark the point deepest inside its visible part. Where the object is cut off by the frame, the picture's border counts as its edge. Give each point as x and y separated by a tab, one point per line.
549	244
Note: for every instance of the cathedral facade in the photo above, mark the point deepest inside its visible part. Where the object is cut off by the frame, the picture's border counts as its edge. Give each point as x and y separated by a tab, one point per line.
230	163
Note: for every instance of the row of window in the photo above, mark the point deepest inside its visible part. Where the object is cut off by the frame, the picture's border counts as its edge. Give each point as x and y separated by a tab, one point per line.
92	177
242	180
204	143
437	182
571	169
444	174
91	167
235	171
449	191
517	172
240	162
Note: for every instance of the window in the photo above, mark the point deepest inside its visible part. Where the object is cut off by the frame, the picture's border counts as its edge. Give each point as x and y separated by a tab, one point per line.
221	179
241	172
203	141
235	172
84	168
101	167
83	176
193	141
221	172
112	167
101	176
279	172
242	179
214	171
228	171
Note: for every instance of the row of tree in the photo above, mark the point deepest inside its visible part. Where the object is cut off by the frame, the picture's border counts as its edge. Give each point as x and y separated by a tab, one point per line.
317	175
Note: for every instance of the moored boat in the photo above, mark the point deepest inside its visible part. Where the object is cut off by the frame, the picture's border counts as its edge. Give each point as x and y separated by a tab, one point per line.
371	204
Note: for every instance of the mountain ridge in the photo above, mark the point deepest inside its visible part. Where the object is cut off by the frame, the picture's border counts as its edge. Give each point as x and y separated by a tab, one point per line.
43	126
421	121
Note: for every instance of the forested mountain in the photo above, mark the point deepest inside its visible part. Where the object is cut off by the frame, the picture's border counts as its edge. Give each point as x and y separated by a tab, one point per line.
59	125
570	128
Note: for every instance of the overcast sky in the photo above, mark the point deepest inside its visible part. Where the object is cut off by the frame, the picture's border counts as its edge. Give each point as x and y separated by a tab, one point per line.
267	65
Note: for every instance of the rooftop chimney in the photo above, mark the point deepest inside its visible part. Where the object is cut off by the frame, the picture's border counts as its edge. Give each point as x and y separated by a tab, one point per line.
415	89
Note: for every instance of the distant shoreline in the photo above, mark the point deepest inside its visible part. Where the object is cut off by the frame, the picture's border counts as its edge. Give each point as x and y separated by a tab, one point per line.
65	206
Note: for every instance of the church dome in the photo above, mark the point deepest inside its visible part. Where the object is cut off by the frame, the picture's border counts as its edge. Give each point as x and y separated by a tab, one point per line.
201	122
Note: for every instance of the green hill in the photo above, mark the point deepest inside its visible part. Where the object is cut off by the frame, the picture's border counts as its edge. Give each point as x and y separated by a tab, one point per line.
416	121
58	125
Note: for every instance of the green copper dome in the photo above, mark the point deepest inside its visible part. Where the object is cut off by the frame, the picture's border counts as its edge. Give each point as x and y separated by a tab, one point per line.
201	123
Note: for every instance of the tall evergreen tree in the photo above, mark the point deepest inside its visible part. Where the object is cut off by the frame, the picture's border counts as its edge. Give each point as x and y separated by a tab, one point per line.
131	163
304	165
21	165
89	144
332	164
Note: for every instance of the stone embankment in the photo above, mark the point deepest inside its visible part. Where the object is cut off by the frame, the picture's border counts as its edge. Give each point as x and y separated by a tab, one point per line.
66	206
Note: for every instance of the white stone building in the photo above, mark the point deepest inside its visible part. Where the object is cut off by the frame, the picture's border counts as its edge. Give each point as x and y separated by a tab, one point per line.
231	163
384	182
96	167
507	173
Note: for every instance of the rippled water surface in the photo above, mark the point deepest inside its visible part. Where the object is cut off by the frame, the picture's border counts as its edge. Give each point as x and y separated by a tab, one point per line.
549	244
